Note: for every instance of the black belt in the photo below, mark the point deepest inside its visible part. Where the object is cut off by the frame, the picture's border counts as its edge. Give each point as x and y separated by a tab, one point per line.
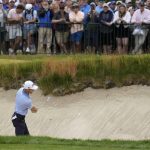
21	117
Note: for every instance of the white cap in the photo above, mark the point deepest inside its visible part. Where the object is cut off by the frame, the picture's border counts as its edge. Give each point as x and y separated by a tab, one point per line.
30	85
128	1
119	2
1	1
12	1
17	3
105	5
28	6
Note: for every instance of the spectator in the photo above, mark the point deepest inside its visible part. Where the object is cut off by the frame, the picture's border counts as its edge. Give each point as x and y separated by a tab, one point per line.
84	7
118	3
91	32
99	7
112	6
68	6
3	15
6	4
15	20
35	5
76	17
148	4
122	18
55	47
105	20
128	3
11	4
29	27
140	18
45	28
61	20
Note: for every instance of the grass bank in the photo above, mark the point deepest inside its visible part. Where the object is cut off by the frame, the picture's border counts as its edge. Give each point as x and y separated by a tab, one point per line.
62	75
40	143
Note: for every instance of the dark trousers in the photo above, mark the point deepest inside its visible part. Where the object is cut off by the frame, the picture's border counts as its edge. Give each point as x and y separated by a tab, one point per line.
20	125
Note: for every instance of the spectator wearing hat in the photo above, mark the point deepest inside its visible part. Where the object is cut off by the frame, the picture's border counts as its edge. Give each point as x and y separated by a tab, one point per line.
29	28
118	3
99	7
22	105
91	31
112	6
15	20
105	20
140	18
76	17
61	21
68	6
45	28
122	18
11	4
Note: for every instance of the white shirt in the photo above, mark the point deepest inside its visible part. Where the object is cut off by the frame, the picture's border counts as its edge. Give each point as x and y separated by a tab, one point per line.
13	15
76	17
139	17
126	17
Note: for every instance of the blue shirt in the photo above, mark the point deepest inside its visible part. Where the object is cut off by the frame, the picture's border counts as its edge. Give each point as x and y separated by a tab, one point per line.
46	20
98	9
23	102
85	9
5	6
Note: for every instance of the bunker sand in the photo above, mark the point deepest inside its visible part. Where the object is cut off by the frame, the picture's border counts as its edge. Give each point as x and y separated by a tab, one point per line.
118	113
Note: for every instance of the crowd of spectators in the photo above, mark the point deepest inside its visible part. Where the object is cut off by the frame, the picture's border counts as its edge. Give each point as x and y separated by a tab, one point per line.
74	26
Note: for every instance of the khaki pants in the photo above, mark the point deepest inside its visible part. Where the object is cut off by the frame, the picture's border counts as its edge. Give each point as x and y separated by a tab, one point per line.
45	34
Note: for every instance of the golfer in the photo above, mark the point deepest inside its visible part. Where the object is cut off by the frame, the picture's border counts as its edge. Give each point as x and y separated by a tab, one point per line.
23	103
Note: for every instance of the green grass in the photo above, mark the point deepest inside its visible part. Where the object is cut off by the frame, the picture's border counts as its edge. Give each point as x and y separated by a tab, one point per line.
62	71
41	143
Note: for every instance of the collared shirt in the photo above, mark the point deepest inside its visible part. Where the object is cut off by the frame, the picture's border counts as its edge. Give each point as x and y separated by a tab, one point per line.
23	102
139	17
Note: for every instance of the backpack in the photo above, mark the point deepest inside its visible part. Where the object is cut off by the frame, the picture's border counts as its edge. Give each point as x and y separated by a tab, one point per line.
27	12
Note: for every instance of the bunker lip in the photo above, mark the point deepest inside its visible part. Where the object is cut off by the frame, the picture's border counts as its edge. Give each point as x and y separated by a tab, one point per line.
117	113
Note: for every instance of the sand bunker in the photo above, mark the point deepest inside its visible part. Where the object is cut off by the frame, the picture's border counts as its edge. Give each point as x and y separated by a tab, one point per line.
118	113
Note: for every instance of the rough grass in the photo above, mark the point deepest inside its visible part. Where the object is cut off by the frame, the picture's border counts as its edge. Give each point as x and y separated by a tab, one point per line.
40	143
63	71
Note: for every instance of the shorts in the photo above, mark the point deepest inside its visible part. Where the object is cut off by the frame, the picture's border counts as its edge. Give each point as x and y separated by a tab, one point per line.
62	37
76	37
14	32
26	31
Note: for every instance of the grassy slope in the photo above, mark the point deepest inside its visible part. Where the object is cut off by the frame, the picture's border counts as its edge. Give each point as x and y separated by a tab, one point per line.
41	143
62	71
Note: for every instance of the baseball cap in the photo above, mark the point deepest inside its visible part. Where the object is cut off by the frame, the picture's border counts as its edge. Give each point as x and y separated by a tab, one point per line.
30	85
12	1
28	6
105	5
75	5
128	1
93	4
119	2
